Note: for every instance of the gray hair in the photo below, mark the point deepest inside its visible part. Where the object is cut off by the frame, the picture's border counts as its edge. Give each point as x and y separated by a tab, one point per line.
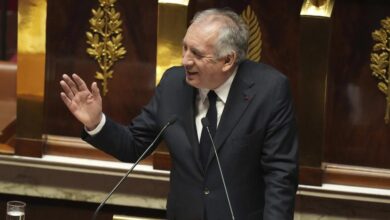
233	35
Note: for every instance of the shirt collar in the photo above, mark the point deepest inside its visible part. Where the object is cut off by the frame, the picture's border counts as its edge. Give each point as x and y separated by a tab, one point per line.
222	91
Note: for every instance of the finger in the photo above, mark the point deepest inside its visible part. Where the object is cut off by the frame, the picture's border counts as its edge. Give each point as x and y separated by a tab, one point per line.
66	100
67	91
95	89
79	82
70	83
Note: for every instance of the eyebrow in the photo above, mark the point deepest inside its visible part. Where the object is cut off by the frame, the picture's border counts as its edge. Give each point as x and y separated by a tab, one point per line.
193	49
197	52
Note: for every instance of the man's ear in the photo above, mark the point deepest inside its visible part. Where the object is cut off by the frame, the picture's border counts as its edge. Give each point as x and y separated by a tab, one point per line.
229	61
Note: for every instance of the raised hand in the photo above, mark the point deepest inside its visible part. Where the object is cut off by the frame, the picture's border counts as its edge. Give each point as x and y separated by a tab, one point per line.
84	104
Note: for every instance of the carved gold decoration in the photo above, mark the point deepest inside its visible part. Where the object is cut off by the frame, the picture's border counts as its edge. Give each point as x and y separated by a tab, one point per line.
317	8
254	44
380	61
105	40
318	3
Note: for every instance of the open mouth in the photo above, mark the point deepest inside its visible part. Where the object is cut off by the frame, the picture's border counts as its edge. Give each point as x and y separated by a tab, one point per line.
191	72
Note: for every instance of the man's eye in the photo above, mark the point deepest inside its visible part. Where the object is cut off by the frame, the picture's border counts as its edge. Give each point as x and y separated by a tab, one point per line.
197	54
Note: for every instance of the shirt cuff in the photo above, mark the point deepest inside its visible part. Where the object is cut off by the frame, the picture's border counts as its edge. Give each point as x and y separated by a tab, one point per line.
98	128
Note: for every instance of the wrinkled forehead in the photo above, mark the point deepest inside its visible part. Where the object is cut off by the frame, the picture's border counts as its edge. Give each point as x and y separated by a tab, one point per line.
202	36
204	32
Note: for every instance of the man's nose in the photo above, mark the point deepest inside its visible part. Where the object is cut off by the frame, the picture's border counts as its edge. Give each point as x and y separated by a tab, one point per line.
187	59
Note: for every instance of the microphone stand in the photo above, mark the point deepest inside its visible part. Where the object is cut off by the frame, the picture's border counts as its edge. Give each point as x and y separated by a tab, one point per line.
170	122
205	124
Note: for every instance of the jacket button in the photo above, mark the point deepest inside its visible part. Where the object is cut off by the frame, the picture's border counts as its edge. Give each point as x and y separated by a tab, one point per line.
206	191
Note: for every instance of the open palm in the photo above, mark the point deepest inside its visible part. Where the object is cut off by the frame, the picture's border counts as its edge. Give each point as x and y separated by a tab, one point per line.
84	104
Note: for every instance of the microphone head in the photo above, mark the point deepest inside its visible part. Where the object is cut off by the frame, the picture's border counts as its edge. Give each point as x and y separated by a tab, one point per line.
172	119
205	122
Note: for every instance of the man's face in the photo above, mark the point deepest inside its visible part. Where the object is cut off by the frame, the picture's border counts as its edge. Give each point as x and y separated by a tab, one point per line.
203	70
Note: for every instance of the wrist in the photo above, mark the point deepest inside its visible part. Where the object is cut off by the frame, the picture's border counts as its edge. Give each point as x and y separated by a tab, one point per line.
92	126
98	128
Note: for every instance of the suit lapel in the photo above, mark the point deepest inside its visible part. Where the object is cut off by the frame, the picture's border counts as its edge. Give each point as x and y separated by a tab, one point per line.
189	121
240	95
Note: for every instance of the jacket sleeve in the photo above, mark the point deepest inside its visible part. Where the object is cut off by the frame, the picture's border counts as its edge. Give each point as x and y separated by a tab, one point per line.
280	157
127	143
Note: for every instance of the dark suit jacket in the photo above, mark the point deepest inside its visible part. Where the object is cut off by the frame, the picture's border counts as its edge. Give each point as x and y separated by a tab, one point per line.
256	141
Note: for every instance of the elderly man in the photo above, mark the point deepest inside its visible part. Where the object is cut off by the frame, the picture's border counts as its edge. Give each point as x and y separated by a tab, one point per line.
250	115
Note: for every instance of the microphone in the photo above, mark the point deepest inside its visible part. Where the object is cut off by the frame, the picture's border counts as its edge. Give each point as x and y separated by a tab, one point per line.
206	124
170	122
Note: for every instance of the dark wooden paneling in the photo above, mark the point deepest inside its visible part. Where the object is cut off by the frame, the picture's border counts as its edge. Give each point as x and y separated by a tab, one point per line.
83	152
8	132
28	147
373	179
134	76
310	175
314	45
279	23
355	131
162	161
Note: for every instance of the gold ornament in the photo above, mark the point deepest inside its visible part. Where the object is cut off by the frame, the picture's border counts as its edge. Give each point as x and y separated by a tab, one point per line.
380	60
105	40
254	44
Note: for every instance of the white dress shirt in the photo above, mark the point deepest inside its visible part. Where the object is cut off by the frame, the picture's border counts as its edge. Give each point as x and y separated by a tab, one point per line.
202	102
